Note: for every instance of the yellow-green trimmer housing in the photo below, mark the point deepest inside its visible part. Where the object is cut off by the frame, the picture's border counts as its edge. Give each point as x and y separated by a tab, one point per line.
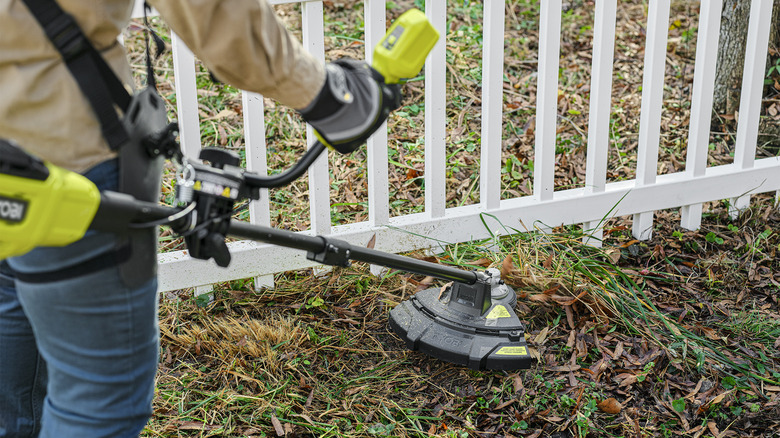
402	52
54	212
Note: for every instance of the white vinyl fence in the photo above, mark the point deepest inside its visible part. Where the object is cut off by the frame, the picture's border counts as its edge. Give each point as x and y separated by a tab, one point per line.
639	197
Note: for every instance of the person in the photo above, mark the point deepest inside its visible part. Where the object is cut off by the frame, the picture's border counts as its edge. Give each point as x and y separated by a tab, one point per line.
79	347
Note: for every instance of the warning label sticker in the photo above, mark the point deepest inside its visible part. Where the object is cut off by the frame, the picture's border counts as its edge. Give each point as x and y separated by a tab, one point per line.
512	351
498	311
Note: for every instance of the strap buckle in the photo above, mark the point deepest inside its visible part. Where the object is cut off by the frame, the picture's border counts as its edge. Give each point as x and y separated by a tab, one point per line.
67	36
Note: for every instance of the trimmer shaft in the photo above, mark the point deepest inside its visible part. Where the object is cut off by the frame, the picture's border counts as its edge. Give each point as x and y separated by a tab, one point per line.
473	325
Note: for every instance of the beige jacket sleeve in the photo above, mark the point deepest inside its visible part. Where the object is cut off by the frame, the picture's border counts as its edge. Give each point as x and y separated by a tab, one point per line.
245	44
43	109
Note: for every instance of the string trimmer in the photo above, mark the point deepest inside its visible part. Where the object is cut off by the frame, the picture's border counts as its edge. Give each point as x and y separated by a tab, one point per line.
471	322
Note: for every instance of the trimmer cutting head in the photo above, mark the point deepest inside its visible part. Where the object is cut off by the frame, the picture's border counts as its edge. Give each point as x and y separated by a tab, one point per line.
473	325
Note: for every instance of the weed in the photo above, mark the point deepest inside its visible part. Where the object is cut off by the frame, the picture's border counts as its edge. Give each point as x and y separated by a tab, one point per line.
774	70
711	237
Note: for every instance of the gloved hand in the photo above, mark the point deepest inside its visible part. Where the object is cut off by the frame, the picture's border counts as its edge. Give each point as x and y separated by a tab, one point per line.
352	104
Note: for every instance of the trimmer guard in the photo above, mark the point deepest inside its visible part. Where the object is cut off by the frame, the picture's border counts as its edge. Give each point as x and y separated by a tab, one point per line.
433	323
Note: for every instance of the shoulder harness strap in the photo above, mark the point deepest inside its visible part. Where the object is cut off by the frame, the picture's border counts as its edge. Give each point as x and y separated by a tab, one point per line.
95	78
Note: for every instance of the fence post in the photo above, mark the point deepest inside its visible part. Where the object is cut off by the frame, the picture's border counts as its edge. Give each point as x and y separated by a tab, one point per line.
376	154
186	98
187	114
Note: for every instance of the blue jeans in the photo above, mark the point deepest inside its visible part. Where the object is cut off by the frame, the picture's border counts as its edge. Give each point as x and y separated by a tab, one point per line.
78	356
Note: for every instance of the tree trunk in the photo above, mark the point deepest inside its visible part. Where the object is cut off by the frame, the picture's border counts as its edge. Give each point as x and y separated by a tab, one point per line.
731	56
730	64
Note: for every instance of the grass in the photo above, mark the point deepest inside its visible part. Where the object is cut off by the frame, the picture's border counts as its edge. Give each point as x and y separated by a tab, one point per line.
314	356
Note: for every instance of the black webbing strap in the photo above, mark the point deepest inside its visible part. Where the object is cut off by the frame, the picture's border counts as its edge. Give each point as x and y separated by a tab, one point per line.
95	78
98	263
150	79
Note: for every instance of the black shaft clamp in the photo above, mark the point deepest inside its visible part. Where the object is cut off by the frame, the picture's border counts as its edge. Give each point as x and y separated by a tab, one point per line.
334	253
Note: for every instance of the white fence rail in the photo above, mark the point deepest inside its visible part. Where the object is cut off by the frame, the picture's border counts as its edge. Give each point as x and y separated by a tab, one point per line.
639	197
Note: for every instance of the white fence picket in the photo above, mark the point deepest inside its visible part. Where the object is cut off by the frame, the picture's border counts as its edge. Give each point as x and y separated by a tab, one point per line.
435	113
652	102
187	112
701	103
257	162
376	148
492	105
600	108
319	180
256	152
752	87
439	225
547	100
186	98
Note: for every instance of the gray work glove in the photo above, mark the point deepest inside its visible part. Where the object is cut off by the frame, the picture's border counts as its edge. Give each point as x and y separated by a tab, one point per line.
352	104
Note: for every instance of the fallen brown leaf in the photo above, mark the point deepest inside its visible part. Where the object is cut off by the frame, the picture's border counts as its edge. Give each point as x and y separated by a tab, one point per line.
703	408
542	336
629	243
355	390
484	262
539	298
508	267
194	425
425	283
441	290
566	368
618	350
517	382
277	425
713	428
613	254
627	380
610	406
505	404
